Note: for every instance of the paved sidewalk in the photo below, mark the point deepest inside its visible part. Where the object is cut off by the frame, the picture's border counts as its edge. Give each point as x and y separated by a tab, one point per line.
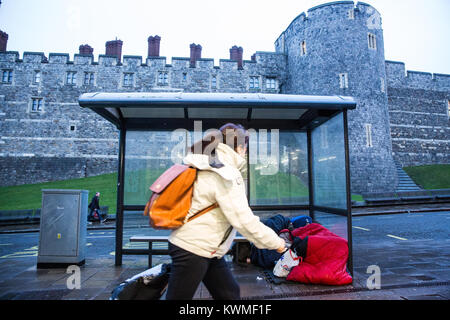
20	280
410	270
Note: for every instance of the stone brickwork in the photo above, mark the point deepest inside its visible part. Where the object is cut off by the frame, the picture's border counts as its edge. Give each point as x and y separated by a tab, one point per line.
70	142
328	53
333	49
419	105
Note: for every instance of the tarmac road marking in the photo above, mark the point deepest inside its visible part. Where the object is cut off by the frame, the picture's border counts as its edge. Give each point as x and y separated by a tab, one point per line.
5	244
18	255
95	237
29	252
134	245
361	228
398	238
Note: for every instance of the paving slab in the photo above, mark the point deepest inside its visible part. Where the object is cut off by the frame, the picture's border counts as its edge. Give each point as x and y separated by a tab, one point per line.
410	270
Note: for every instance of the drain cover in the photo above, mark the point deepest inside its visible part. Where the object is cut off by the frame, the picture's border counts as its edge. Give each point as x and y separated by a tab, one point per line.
424	278
425	297
37	295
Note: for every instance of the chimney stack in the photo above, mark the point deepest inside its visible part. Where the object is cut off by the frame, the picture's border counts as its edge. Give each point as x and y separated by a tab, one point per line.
153	46
86	50
196	54
236	55
114	48
3	41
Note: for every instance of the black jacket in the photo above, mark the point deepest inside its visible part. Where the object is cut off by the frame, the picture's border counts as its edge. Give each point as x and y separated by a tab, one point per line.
95	203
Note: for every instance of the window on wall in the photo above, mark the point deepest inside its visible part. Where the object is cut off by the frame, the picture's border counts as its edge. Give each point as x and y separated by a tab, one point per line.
382	85
324	137
128	79
343	80
37	105
37	77
448	108
163	78
372	41
7	76
71	77
72	128
254	83
303	48
369	135
351	14
88	78
271	83
214	82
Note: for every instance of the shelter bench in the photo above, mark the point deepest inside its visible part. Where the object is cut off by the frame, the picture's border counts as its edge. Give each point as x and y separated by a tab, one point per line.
151	239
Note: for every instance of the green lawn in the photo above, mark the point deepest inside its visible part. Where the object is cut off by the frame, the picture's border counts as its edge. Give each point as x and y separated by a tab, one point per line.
430	177
30	196
278	186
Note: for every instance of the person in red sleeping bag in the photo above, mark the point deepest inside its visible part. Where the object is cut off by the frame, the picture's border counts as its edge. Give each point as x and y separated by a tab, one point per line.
326	257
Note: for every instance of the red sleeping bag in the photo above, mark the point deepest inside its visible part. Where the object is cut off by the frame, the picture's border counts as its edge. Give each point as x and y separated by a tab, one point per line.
326	257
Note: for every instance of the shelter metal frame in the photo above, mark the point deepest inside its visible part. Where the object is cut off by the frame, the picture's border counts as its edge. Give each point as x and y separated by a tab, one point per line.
170	111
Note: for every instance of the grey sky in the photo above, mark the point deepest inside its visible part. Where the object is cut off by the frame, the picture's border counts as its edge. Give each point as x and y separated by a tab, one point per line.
416	32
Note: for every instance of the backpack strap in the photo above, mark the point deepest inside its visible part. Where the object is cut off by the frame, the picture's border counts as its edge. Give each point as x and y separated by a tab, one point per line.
203	211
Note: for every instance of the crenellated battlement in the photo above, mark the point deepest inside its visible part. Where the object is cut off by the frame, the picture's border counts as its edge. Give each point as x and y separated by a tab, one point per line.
134	62
398	76
336	48
340	11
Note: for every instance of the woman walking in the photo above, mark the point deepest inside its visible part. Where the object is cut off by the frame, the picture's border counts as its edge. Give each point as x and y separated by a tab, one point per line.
197	248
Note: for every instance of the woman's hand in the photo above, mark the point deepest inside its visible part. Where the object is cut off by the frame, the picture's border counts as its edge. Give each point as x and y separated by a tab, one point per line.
283	248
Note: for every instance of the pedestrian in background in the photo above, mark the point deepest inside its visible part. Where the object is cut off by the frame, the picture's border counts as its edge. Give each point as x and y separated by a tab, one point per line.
94	207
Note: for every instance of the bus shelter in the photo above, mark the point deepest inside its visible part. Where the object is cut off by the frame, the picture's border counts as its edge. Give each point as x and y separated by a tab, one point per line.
298	154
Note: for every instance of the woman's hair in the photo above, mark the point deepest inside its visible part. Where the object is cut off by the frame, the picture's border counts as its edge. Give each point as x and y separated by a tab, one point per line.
231	134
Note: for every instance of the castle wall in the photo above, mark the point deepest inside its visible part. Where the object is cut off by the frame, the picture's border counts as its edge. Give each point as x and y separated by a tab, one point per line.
65	141
406	112
419	115
331	40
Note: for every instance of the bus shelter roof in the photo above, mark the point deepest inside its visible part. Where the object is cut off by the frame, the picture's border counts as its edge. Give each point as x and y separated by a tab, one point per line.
138	109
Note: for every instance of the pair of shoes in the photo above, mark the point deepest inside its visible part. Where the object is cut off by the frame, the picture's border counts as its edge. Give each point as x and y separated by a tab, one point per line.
89	223
103	221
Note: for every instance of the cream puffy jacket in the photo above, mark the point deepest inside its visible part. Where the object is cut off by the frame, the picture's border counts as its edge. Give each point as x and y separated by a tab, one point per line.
211	235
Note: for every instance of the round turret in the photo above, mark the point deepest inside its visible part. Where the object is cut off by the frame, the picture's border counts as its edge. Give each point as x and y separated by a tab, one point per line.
338	49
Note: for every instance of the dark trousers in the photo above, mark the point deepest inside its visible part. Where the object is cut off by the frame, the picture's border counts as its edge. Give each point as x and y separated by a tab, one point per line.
91	215
188	270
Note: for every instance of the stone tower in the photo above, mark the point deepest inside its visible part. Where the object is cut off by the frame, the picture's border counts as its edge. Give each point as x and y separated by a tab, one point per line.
338	49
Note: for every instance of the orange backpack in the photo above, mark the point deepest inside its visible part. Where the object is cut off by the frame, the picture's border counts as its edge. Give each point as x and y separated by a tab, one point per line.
171	198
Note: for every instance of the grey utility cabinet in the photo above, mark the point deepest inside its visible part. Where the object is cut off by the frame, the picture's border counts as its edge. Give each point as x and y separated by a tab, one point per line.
62	239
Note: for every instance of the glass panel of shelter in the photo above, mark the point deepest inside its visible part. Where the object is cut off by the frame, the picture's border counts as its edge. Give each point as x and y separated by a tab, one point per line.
278	172
330	207
277	167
